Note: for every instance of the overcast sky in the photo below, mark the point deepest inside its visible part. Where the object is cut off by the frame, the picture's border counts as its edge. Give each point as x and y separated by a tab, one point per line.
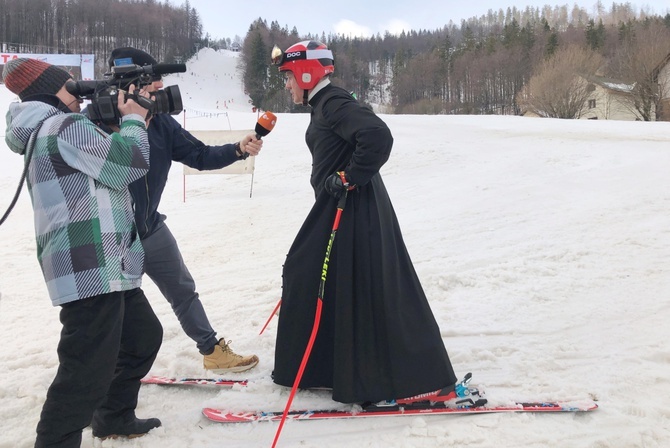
223	19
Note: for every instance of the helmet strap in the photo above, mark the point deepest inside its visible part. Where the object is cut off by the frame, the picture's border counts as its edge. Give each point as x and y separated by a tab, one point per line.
305	96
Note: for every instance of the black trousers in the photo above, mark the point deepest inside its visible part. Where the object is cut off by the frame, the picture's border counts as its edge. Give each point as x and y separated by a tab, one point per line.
108	343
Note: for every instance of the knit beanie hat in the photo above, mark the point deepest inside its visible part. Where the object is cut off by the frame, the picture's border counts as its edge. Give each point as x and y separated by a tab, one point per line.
130	55
26	77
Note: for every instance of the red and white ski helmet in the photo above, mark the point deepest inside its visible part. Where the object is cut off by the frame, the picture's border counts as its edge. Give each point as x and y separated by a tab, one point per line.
309	61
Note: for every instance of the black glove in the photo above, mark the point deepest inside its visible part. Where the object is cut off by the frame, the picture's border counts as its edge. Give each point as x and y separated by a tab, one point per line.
337	184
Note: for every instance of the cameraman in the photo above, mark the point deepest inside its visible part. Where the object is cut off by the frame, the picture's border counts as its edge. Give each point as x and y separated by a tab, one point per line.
89	253
163	260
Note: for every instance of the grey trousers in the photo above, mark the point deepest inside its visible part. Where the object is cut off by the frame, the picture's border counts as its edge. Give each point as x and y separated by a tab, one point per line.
165	266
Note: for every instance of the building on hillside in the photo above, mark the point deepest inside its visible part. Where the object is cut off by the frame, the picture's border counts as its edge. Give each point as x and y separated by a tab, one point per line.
235	46
608	100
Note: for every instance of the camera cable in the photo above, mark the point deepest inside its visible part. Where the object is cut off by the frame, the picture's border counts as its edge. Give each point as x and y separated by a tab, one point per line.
29	156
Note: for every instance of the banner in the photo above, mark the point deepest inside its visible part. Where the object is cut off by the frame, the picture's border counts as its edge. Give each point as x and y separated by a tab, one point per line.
80	66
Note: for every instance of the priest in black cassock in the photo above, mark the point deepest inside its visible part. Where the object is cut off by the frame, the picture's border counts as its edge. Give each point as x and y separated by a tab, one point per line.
378	339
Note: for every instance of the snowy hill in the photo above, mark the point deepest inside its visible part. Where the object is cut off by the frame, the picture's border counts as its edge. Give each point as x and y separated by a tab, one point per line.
542	246
214	82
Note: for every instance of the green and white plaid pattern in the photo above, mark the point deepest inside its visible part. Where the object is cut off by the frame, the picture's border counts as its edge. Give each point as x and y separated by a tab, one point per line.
78	181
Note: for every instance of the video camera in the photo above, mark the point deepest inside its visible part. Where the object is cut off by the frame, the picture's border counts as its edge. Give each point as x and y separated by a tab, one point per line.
103	94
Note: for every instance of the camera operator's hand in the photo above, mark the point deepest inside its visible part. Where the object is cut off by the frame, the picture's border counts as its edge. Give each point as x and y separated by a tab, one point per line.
130	106
251	145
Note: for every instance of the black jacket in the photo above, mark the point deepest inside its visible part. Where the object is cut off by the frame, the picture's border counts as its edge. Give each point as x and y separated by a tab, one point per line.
378	338
168	141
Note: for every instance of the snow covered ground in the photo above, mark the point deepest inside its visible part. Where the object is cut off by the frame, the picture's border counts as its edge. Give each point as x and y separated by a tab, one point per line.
543	246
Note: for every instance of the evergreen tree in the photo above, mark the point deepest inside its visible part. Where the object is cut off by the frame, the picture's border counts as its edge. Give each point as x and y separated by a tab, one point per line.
256	68
552	44
595	35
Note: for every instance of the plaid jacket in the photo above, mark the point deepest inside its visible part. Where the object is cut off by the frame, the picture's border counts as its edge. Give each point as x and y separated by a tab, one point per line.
78	181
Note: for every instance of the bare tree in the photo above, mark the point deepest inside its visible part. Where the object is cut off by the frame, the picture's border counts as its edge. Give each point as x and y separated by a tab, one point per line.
558	88
637	64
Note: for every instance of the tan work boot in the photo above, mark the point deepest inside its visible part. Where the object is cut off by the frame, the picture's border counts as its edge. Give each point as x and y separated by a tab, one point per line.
224	360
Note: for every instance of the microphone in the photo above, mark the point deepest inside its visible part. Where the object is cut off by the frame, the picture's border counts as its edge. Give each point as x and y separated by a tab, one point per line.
165	69
265	124
132	70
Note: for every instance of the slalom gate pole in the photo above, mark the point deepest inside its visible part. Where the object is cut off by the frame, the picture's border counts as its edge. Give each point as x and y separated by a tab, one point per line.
270	318
317	317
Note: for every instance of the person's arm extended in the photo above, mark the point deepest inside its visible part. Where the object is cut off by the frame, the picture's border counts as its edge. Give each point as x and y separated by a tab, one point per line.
190	151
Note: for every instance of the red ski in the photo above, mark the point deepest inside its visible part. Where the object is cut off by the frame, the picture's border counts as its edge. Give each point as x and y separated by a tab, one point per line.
425	408
167	381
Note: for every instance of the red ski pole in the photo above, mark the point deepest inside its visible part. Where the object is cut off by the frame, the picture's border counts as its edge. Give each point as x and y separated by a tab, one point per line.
270	318
317	317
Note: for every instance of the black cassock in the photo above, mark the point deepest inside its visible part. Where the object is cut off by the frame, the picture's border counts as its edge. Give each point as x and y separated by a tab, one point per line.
378	338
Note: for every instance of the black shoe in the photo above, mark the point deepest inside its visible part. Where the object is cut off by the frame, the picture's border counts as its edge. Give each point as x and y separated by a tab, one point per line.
134	428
